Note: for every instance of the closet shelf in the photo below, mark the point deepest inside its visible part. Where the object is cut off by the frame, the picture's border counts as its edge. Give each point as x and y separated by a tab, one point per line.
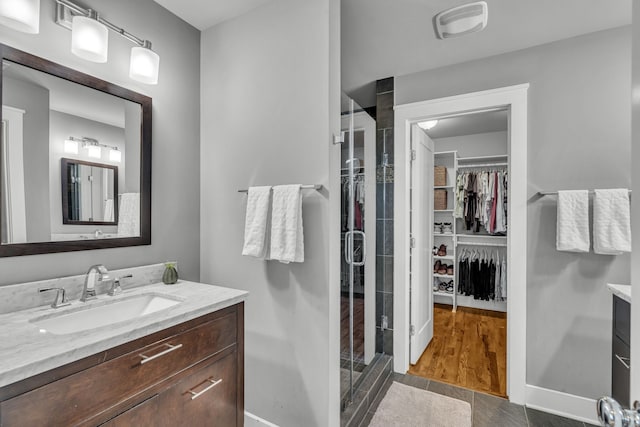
481	236
443	276
443	294
446	257
443	210
483	158
443	234
500	245
438	187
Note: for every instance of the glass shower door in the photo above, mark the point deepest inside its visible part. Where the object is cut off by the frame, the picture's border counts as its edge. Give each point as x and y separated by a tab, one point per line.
357	228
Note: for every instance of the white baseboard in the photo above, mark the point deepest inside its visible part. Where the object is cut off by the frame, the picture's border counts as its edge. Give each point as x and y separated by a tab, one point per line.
251	420
563	404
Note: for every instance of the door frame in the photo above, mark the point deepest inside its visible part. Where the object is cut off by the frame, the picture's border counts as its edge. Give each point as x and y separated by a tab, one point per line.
514	99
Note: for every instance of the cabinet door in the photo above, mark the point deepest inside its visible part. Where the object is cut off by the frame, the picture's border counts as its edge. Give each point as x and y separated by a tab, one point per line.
141	415
206	398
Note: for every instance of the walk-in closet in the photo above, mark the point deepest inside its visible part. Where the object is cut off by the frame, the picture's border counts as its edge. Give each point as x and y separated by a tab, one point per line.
469	229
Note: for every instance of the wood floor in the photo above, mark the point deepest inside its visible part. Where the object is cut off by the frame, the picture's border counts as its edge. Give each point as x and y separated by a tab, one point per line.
358	329
469	349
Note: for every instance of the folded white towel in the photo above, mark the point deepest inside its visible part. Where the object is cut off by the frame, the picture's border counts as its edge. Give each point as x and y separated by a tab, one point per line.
129	215
287	240
572	233
611	222
256	221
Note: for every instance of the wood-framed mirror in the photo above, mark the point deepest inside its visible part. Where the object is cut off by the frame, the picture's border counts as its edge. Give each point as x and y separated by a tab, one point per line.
54	117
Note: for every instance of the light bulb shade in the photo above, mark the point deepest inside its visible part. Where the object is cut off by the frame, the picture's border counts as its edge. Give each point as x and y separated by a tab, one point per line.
94	151
71	146
429	124
21	15
144	65
115	155
89	39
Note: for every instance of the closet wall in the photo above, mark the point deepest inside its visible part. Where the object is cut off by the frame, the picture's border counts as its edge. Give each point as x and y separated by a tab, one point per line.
579	137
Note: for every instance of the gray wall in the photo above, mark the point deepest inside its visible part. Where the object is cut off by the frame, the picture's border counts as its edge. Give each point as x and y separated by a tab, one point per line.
176	135
270	99
63	125
579	137
34	100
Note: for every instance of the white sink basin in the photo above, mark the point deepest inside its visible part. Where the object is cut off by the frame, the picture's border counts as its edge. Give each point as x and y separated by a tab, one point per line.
103	313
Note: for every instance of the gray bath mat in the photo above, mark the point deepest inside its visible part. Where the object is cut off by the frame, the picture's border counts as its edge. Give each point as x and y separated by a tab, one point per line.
408	406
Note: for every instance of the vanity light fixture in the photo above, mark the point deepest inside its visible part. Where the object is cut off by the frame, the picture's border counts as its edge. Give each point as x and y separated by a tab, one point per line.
94	151
21	15
93	146
92	35
429	124
89	38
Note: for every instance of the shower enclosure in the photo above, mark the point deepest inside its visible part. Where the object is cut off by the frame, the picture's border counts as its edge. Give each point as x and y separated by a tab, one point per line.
358	244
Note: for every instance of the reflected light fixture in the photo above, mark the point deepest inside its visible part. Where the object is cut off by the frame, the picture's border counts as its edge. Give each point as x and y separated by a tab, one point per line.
115	155
71	146
461	20
21	15
94	151
429	124
89	38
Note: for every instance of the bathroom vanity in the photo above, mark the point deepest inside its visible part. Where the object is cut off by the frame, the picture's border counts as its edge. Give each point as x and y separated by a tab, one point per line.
181	365
621	351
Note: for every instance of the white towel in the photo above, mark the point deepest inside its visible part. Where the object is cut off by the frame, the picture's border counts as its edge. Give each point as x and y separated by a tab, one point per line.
129	215
108	210
572	233
287	240
256	221
611	222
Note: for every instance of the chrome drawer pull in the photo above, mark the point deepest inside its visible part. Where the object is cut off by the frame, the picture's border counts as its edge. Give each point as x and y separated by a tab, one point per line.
195	395
624	360
171	348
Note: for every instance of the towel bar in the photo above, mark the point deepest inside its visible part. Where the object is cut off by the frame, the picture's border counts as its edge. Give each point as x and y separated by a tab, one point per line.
304	187
555	193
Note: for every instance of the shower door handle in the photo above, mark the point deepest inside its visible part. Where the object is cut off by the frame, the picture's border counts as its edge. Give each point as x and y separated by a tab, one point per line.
347	247
364	248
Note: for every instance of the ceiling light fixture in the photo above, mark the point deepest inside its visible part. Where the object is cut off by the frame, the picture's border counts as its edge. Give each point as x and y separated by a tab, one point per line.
429	124
92	41
461	20
21	15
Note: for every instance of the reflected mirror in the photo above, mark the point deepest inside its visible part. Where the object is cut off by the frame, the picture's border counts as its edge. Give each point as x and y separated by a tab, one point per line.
88	191
60	126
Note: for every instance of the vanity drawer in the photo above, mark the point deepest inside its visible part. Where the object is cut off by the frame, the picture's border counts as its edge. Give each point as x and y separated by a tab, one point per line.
207	397
75	398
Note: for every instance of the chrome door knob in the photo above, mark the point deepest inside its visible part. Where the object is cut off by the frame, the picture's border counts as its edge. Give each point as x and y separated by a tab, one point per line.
611	414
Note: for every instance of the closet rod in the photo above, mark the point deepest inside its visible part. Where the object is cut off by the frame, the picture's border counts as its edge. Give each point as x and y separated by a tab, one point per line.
303	187
555	193
485	165
501	245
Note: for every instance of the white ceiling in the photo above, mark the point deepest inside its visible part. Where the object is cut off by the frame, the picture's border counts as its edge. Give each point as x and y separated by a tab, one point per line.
470	124
203	14
383	38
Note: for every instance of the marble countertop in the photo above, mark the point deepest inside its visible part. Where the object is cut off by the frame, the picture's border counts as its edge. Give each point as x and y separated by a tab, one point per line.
622	291
26	351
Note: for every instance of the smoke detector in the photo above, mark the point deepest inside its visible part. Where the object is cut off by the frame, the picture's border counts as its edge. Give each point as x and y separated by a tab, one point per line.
461	20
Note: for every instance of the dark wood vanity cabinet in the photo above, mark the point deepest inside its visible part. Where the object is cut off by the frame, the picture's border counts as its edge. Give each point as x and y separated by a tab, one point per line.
620	380
190	374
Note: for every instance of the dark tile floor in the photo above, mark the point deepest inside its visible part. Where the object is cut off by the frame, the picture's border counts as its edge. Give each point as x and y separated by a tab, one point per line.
486	410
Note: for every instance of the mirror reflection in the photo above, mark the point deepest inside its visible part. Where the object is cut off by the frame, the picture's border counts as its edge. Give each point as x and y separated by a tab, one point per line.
88	191
56	130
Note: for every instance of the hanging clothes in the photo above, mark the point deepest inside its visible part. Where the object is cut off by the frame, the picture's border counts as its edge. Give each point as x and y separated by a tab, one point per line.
482	275
481	200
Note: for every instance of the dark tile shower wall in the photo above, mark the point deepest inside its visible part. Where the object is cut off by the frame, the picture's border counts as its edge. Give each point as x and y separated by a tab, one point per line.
384	213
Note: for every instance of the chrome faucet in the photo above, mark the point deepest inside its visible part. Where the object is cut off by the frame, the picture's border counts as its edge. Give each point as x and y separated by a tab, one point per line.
89	291
60	300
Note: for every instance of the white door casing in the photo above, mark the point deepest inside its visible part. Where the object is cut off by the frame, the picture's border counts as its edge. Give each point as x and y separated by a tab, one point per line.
13	174
421	223
514	99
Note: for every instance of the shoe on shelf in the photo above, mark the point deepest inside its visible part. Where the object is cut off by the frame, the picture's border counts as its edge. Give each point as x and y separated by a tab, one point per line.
443	269
446	228
450	270
437	266
442	286
442	250
437	228
449	288
435	251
